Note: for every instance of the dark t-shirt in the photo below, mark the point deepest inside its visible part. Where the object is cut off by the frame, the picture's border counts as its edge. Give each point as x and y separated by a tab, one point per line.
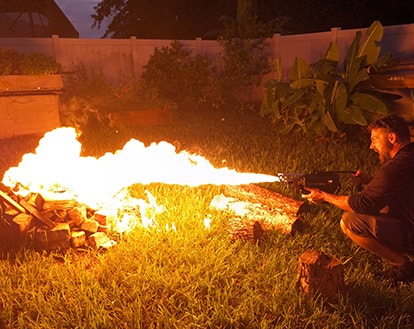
391	189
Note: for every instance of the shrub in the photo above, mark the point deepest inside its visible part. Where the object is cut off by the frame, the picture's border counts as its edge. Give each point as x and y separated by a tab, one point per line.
14	63
242	68
176	75
242	63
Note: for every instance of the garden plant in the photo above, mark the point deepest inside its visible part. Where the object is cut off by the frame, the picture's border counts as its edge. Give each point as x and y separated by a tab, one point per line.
324	97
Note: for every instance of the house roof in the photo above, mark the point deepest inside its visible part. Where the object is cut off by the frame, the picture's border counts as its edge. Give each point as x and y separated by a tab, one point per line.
34	18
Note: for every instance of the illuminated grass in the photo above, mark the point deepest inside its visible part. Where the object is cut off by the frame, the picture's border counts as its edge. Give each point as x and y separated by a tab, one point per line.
196	277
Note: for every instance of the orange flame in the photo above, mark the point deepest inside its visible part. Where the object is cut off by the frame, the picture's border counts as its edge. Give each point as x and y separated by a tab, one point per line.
57	166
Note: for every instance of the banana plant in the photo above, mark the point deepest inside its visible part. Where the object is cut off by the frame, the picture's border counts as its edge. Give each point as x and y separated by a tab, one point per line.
322	98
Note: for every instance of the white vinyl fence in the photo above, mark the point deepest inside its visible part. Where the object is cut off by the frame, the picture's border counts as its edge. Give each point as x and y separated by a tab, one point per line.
116	57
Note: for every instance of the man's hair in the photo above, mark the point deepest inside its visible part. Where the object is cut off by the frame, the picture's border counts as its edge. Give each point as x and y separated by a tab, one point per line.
394	123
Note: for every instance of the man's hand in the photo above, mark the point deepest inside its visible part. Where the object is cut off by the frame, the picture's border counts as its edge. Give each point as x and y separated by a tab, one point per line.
360	178
315	195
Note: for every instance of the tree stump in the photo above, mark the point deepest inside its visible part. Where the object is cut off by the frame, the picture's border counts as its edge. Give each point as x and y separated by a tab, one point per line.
320	274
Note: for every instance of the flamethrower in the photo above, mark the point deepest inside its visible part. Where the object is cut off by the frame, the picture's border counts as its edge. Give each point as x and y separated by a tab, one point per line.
328	181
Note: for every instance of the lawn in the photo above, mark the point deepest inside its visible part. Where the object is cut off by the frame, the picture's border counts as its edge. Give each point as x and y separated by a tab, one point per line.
193	277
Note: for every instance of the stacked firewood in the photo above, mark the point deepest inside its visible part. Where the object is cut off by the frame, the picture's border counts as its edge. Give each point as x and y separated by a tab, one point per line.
52	224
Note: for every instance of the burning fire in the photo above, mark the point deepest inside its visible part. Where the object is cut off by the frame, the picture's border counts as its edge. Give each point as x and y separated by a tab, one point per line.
57	168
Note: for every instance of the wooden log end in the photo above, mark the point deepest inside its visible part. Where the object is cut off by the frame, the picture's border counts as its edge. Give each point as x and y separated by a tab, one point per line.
320	274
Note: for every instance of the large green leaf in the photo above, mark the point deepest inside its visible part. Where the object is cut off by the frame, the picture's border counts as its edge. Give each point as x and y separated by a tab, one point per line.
302	83
325	69
339	97
298	110
316	122
272	109
369	103
269	103
353	115
354	67
299	70
356	73
369	47
321	86
282	89
352	53
295	97
276	110
332	53
319	104
329	122
382	61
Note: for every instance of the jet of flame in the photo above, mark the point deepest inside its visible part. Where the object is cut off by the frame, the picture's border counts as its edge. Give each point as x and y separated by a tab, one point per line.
56	166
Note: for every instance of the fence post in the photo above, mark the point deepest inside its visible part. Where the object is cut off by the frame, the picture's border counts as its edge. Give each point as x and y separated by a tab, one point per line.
198	46
276	54
134	56
276	44
57	50
334	34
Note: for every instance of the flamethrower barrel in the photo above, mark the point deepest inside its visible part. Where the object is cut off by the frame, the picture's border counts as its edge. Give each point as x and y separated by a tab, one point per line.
328	181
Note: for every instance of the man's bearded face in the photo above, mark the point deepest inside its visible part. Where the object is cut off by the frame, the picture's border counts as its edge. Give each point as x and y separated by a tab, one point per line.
381	144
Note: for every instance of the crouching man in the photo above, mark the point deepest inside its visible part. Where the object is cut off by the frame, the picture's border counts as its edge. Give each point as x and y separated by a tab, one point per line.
380	218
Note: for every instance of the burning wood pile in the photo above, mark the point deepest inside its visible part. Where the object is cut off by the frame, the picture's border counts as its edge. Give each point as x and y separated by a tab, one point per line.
58	199
59	222
49	225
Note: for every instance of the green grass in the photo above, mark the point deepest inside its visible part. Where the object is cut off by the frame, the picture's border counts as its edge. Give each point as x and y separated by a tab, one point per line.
194	277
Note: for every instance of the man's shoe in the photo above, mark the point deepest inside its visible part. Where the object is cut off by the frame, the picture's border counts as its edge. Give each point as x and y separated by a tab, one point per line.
403	274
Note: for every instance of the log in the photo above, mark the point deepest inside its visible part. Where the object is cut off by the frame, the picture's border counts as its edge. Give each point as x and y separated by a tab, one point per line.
320	274
23	221
257	211
90	226
57	238
77	239
100	240
10	202
78	215
12	235
36	200
59	200
36	214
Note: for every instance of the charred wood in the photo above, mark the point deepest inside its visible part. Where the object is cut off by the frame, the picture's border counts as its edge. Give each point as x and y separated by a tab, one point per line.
255	211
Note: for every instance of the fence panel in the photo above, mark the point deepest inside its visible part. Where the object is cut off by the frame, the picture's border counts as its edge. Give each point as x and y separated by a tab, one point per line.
116	57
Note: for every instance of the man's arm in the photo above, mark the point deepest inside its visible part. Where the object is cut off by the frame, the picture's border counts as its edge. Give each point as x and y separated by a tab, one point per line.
318	196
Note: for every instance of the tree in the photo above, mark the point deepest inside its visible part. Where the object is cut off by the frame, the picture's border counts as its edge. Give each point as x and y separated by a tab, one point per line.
174	19
188	19
160	19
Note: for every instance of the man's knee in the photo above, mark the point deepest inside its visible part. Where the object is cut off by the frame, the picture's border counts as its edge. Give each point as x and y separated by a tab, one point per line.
346	219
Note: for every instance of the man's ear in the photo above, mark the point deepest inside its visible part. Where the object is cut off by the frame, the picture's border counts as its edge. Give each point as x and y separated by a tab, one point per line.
392	137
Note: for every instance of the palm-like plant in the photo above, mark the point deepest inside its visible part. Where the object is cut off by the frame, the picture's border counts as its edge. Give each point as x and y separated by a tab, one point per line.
322	97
